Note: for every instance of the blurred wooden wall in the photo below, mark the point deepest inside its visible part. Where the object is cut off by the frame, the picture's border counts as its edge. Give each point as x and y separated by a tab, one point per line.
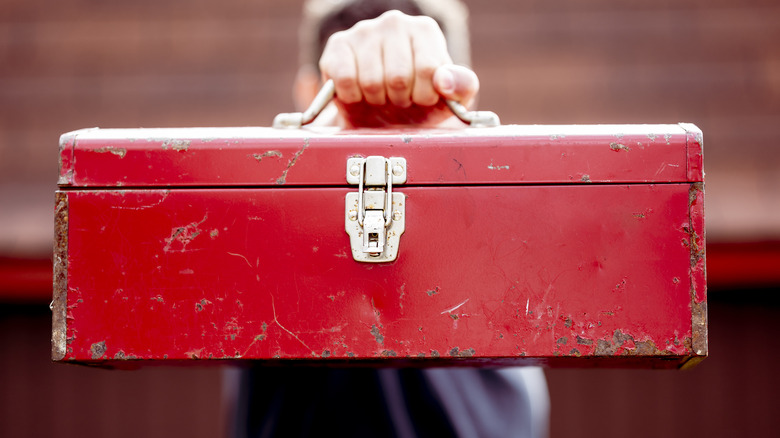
71	64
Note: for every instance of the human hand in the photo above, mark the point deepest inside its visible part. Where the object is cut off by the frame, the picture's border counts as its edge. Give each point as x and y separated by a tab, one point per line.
395	70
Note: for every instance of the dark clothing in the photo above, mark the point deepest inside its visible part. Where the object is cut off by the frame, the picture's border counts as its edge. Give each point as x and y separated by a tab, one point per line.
365	402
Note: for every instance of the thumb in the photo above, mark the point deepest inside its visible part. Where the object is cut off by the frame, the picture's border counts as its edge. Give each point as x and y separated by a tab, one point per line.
456	82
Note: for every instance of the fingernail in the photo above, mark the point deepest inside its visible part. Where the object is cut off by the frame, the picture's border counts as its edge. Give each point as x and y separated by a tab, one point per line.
446	81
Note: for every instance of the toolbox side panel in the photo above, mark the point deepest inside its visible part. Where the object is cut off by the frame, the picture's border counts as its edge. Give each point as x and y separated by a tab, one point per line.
492	272
59	301
697	243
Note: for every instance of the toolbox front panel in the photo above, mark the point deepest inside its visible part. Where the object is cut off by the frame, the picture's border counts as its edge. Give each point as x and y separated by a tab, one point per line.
509	273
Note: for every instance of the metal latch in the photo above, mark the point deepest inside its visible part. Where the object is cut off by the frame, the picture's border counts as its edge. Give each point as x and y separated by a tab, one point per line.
375	215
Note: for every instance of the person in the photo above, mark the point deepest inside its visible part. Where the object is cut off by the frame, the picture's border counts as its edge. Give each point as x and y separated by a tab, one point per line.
394	69
391	65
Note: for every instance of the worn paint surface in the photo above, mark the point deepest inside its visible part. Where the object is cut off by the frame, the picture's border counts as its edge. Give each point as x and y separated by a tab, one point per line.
270	157
596	274
60	284
574	272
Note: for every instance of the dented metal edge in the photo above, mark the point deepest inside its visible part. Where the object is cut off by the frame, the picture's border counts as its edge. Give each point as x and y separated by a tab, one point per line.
697	244
59	304
66	157
694	144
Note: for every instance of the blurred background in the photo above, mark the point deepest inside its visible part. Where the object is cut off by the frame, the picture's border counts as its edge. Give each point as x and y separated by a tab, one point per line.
70	64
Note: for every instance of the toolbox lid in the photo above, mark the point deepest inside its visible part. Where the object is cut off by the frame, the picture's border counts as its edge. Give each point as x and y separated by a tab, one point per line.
258	157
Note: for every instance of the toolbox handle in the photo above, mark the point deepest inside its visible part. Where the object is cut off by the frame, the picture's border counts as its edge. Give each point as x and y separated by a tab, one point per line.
328	90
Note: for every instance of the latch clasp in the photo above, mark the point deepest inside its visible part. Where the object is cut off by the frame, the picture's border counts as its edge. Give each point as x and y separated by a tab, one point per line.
375	215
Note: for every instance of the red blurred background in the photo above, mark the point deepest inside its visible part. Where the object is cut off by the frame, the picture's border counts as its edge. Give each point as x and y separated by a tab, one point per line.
71	64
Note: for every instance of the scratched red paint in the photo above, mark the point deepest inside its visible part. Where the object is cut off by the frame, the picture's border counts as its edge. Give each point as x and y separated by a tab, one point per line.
561	272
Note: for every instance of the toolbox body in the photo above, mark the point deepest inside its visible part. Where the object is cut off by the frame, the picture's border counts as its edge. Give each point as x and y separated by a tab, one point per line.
552	245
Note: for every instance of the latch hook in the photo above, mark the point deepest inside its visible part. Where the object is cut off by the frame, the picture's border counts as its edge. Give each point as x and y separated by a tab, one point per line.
375	215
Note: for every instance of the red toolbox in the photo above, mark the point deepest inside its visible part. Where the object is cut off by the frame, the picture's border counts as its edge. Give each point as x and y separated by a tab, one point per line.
555	245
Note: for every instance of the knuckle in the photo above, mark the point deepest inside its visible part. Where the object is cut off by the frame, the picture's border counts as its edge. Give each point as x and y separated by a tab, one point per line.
393	17
371	86
399	82
337	38
427	23
324	63
425	70
360	29
344	82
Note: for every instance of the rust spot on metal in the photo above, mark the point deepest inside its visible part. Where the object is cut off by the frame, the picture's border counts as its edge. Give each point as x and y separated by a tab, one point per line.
625	344
283	179
610	347
377	335
562	340
120	355
120	152
699	342
575	352
184	235
388	353
433	291
646	348
585	178
604	348
406	139
259	157
434	353
617	147
567	322
454	316
202	304
326	353
98	349
584	341
697	253
176	145
59	304
456	352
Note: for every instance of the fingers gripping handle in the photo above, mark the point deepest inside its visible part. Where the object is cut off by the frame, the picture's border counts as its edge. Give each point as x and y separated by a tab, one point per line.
326	93
296	120
473	118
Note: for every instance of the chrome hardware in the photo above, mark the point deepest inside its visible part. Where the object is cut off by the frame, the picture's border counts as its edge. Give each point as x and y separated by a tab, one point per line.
328	91
374	215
